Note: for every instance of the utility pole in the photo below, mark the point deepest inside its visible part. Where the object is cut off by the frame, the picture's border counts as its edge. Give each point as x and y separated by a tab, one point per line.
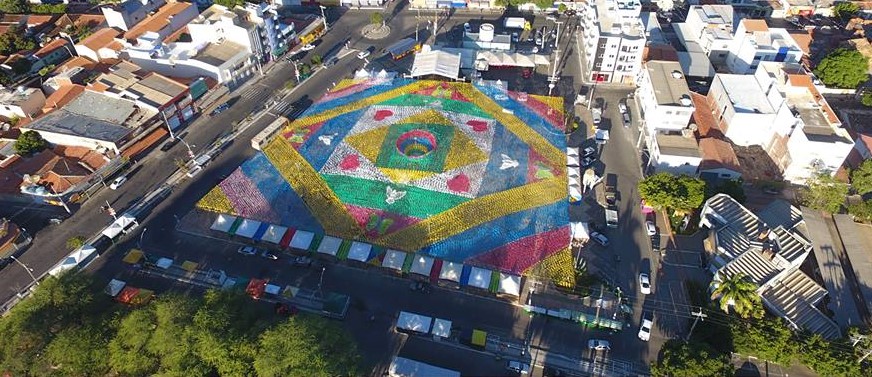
26	268
111	210
324	18
699	315
556	62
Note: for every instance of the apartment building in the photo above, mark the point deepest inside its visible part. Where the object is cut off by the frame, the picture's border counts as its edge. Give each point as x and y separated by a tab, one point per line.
755	42
218	24
614	40
708	28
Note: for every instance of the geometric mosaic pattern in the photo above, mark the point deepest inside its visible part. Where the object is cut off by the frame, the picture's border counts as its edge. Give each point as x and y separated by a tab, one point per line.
465	172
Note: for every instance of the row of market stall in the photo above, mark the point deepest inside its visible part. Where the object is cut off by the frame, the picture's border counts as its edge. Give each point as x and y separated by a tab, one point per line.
421	266
574	174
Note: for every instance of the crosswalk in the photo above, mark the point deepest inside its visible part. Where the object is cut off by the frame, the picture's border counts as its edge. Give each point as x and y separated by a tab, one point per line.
254	93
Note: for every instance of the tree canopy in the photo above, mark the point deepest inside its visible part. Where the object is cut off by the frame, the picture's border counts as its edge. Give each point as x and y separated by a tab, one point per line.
825	193
69	328
861	177
739	294
13	41
376	18
14	6
845	9
30	142
681	359
664	190
843	68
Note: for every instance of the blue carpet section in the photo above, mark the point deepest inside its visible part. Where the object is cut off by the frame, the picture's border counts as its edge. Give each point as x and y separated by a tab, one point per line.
315	151
496	180
533	120
284	201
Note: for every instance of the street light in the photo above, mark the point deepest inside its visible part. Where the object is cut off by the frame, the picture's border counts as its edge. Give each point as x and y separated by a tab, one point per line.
321	280
141	235
26	268
324	18
190	152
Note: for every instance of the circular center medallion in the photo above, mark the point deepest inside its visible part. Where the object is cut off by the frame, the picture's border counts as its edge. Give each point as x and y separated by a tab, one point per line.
416	143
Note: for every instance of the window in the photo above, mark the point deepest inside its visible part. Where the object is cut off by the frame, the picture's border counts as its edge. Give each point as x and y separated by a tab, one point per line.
611	56
598	64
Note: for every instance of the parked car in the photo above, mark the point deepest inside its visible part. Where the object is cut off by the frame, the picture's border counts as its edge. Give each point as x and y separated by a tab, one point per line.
645	329
419	286
588	161
550	18
650	227
644	284
515	36
467	28
194	171
220	108
266	254
597	115
363	54
248	250
622	106
307	47
625	117
598	344
589	151
117	182
518	367
301	261
599	238
169	144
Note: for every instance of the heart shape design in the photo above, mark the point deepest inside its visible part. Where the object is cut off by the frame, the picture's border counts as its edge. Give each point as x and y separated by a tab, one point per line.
478	125
460	183
382	114
350	162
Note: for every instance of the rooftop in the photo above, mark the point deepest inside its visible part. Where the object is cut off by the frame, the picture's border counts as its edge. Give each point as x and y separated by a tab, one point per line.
715	14
717	154
103	38
99	106
62	96
13	97
65	122
670	87
156	90
217	54
677	145
438	63
745	93
157	21
703	117
50	47
696	64
755	25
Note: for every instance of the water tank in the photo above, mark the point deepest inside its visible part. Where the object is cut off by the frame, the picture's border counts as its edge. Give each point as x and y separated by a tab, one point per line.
486	33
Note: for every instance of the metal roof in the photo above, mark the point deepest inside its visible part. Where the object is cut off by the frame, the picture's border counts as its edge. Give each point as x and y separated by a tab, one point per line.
64	122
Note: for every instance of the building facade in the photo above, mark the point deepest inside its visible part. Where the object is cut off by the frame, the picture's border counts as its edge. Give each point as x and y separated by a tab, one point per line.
614	40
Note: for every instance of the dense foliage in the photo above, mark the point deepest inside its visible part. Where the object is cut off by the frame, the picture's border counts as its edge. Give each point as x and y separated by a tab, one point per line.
845	9
843	68
541	4
682	359
866	99
738	294
825	193
69	328
30	142
861	178
666	191
732	187
13	41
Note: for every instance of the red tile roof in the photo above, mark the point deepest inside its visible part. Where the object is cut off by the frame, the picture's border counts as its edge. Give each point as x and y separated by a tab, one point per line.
717	154
52	46
102	38
706	125
62	96
157	21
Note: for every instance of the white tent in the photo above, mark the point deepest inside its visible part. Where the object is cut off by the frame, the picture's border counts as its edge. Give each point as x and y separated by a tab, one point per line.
302	239
574	181
441	327
479	278
422	265
274	234
247	228
510	284
451	271
394	259
601	136
573	173
359	251
571	160
121	225
572	151
223	222
73	260
330	245
579	231
438	63
414	322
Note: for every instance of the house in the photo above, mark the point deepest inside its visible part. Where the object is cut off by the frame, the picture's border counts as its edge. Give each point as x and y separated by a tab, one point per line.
126	14
709	29
62	96
101	45
21	102
719	160
167	19
768	255
64	127
663	96
613	39
52	53
218	23
151	92
755	42
676	154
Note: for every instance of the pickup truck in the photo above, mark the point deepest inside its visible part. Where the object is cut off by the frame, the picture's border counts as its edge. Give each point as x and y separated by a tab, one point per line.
611	217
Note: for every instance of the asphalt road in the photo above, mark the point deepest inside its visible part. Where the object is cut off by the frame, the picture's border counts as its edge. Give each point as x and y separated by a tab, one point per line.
373	292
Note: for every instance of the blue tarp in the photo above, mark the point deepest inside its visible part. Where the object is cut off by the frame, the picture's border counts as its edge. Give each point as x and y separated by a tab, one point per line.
464	276
260	231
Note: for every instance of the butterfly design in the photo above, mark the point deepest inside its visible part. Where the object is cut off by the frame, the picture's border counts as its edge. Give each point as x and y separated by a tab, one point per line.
508	163
393	195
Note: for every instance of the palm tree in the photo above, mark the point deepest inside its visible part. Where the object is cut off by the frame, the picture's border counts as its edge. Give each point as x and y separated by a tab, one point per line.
741	294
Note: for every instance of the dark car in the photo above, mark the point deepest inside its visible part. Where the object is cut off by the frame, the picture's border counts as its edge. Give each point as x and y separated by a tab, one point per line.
301	261
625	117
419	286
169	144
220	108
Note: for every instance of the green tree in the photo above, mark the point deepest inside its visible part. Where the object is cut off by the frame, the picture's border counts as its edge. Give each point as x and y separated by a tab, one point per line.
843	68
229	3
75	242
30	142
866	99
48	8
861	211
14	41
829	359
825	193
861	177
128	354
376	18
14	6
740	294
767	339
321	349
173	338
543	4
316	59
666	191
78	351
681	359
845	10
732	187
561	8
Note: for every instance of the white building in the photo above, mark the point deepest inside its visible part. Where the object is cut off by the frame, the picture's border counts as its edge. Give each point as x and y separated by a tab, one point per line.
708	28
217	23
755	42
779	109
165	21
675	153
614	40
21	102
126	14
664	97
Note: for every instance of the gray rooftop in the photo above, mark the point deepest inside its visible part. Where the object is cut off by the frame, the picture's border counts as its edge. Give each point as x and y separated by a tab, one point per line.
670	87
745	93
716	14
14	97
64	122
677	145
696	64
98	106
216	54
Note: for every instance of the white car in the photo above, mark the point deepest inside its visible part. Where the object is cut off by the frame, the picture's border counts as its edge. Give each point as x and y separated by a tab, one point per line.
118	182
599	238
518	367
598	344
363	54
467	28
645	284
622	106
307	47
589	151
597	115
650	227
248	250
645	329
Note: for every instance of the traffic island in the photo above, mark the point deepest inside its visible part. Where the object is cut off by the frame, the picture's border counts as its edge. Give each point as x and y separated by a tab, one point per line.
378	31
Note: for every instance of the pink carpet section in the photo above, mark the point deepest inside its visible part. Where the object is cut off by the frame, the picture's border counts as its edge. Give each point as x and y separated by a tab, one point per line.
246	198
518	256
553	117
373	229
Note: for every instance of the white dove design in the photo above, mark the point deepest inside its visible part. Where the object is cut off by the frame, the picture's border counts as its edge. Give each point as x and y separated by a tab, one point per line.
508	162
393	195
